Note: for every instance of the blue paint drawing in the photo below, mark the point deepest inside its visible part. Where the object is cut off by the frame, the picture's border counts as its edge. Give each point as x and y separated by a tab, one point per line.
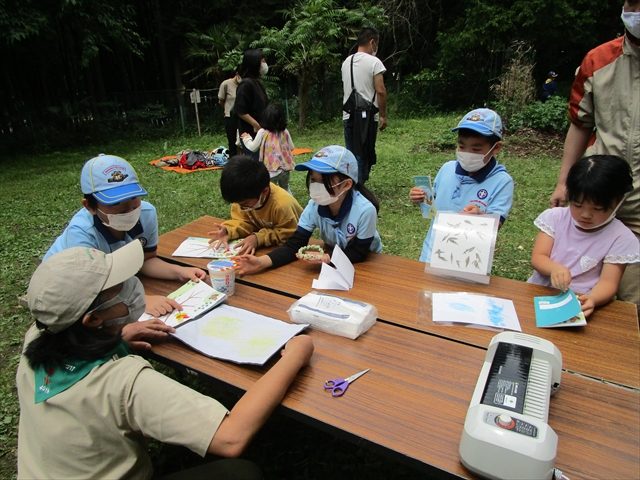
461	307
496	314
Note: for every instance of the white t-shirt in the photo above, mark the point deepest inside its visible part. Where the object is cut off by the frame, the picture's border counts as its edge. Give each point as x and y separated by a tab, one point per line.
365	67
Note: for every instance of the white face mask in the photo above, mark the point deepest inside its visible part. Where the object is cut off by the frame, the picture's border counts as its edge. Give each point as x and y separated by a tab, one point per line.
321	196
122	222
264	68
472	162
607	221
257	205
132	295
631	22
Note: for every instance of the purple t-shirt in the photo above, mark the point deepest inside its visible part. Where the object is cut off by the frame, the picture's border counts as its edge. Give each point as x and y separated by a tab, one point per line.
583	252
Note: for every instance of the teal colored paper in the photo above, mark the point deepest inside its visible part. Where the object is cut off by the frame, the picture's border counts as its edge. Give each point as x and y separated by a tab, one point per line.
556	309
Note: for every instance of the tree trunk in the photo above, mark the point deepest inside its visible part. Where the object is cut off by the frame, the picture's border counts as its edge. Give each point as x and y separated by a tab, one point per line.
304	85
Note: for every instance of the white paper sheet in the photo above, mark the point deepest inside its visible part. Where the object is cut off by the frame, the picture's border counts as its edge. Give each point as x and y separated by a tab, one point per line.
198	247
195	298
464	243
339	278
237	335
476	310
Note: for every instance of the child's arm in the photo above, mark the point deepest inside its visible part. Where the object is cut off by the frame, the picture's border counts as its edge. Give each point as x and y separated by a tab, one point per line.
286	222
240	225
291	145
605	289
541	260
255	406
155	267
253	144
280	256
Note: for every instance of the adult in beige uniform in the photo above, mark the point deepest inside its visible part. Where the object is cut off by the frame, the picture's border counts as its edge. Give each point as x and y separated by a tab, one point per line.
605	119
88	406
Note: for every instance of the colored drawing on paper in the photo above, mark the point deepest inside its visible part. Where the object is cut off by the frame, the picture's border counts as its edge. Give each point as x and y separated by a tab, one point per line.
195	299
198	247
237	335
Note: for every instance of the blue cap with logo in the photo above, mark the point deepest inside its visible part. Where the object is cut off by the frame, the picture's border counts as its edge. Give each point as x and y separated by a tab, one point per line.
332	159
110	180
482	120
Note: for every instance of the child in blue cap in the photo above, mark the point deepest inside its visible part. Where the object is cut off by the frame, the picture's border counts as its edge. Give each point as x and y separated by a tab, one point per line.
113	216
344	211
475	182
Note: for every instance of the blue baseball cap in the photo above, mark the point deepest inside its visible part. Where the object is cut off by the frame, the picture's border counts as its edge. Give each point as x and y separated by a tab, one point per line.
332	159
482	120
110	180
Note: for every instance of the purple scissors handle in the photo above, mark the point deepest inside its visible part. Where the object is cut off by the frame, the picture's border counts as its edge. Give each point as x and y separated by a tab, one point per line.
339	385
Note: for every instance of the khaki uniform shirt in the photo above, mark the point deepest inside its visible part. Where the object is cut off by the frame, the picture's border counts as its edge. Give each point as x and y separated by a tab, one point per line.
606	97
99	427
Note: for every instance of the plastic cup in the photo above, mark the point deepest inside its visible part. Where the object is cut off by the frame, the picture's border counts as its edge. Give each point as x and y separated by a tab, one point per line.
222	274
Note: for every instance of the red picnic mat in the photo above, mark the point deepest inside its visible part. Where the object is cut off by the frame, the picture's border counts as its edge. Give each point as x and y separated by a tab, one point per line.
295	151
178	169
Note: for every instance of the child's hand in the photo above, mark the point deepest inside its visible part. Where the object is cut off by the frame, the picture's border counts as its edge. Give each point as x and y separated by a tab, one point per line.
416	195
148	330
158	306
472	210
560	277
245	135
191	273
251	264
248	245
220	237
586	304
324	259
301	347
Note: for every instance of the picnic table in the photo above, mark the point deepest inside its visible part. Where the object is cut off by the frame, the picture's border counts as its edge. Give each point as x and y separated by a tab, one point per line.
413	402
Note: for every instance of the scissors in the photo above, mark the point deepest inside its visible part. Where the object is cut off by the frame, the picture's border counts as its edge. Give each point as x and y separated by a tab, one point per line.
340	385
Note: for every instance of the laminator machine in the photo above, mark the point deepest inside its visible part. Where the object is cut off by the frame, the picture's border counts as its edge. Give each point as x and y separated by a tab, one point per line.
506	434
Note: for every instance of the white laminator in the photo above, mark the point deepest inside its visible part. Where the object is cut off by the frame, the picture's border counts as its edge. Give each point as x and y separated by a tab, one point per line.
506	434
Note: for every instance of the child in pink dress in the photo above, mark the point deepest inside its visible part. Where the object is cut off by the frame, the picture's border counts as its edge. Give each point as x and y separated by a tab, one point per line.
275	145
583	246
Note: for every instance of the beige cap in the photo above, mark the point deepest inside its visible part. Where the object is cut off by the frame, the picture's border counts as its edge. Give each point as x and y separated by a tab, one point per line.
65	285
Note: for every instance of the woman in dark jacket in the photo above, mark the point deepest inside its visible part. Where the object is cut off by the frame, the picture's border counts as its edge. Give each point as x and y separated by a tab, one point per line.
251	96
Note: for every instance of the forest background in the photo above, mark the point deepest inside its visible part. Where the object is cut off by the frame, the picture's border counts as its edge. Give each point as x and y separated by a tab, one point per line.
81	71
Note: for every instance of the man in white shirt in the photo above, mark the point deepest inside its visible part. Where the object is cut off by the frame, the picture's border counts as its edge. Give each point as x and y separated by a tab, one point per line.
368	80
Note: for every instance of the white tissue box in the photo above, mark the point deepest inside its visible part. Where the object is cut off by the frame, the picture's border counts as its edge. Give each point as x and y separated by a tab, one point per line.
336	315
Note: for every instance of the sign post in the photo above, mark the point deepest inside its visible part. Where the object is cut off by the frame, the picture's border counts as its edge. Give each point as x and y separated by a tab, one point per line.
195	99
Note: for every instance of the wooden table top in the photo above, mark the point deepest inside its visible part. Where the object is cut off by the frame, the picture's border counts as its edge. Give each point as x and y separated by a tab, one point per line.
414	400
607	349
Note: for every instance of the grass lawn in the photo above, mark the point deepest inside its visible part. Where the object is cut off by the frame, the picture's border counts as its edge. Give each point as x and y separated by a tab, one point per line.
40	193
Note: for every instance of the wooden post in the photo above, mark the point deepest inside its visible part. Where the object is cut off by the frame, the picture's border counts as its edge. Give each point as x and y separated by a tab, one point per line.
195	99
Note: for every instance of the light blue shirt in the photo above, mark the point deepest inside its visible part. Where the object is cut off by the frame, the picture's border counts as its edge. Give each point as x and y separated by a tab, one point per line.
490	188
86	230
356	221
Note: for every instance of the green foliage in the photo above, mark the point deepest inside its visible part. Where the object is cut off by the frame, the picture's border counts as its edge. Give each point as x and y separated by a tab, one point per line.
218	50
551	115
312	40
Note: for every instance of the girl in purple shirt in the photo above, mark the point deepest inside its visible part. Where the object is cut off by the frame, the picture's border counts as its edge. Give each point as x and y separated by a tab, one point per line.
584	247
